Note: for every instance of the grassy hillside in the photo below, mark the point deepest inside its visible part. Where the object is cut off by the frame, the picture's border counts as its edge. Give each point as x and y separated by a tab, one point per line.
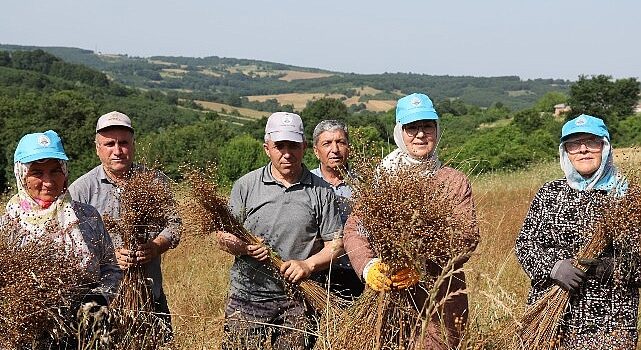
227	80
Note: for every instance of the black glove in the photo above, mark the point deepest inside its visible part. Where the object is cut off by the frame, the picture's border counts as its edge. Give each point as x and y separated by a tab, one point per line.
602	268
567	276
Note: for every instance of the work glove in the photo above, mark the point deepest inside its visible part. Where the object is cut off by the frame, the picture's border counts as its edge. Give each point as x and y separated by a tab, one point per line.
567	276
602	268
405	278
376	277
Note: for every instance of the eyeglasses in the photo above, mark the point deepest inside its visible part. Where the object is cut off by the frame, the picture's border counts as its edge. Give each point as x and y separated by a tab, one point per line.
413	130
592	145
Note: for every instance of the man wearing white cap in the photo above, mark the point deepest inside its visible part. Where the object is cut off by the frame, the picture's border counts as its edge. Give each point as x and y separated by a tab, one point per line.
296	215
101	187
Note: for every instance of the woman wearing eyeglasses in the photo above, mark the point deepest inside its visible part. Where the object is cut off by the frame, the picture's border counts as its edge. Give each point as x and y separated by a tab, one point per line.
602	311
416	134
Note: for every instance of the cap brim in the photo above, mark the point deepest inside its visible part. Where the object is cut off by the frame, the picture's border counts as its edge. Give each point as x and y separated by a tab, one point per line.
115	125
583	130
44	155
418	115
285	136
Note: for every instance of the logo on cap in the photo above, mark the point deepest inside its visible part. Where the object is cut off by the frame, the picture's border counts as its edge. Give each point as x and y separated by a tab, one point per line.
416	102
43	141
580	121
287	120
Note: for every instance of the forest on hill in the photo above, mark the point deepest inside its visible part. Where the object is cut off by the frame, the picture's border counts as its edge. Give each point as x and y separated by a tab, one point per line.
233	81
40	91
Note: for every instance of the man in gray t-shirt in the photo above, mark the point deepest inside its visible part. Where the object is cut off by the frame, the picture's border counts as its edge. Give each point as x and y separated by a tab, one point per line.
296	215
101	187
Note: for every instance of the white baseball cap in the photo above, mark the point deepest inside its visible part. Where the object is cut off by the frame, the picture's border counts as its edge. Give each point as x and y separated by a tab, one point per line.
113	119
284	126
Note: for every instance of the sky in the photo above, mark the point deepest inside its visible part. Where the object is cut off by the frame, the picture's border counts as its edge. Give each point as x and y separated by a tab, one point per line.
529	38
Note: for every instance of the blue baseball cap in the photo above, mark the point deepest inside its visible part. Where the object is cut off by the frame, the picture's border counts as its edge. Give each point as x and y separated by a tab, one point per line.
415	107
585	124
38	146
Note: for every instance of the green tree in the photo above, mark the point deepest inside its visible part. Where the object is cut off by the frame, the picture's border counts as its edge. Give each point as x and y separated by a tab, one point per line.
549	100
239	156
604	97
321	109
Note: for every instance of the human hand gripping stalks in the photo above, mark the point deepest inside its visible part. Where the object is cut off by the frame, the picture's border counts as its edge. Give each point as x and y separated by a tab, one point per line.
209	211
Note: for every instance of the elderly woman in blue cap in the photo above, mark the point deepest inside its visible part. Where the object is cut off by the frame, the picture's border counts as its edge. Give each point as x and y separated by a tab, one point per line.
43	203
416	135
602	311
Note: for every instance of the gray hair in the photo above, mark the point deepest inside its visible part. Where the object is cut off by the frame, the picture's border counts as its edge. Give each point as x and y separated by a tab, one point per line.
329	125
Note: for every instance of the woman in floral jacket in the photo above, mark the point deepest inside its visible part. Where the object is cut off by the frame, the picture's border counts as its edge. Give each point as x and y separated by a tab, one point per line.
602	311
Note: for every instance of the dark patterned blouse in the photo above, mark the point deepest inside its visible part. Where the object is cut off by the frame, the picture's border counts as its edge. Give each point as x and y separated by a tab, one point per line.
555	228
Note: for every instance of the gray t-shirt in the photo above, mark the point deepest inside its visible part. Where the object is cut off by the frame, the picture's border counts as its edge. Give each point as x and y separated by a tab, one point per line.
98	190
293	221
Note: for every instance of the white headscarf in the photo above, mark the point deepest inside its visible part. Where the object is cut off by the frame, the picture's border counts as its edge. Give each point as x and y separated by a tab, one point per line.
402	157
38	221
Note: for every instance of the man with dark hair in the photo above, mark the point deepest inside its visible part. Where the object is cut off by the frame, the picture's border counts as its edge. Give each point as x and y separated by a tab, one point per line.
295	213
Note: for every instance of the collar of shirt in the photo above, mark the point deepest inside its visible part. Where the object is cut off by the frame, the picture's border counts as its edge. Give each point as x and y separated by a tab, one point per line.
268	178
350	174
104	178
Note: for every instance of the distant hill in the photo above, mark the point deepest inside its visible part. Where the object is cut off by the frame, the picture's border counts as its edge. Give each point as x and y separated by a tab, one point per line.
268	86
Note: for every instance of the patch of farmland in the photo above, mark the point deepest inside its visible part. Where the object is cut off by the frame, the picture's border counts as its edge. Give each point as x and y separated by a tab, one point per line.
227	109
174	71
380	105
291	75
298	100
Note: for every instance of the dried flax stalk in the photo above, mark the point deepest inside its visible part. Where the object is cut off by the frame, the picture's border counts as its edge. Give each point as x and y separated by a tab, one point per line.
145	204
207	199
38	285
408	219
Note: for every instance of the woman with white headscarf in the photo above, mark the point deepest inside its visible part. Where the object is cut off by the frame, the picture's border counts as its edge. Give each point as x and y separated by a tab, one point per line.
416	135
43	210
602	311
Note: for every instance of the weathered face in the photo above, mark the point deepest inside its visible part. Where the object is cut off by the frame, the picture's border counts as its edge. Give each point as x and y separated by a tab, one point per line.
332	148
45	180
286	157
420	137
584	152
115	148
